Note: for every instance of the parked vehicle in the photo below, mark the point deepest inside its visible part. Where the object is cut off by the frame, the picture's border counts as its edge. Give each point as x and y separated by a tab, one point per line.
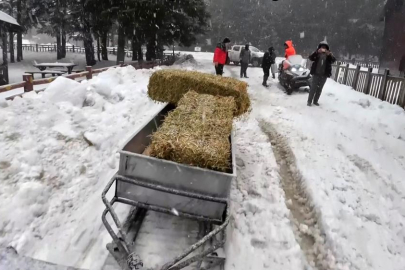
293	74
234	54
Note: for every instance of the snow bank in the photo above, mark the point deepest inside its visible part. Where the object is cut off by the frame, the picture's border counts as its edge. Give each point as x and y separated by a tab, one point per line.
66	90
3	103
58	151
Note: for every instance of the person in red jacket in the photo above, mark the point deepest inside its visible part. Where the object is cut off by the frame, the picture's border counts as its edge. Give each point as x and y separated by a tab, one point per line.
220	55
289	48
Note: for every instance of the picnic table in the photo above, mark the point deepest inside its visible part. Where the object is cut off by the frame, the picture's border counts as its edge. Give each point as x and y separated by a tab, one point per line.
43	66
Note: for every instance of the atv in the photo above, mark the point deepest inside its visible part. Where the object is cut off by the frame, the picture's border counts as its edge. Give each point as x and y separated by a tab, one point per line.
293	74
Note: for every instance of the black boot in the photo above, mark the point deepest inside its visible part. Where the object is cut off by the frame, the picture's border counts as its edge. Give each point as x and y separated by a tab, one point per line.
265	81
274	76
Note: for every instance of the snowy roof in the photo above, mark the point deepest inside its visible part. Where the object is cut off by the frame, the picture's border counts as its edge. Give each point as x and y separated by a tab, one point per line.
7	18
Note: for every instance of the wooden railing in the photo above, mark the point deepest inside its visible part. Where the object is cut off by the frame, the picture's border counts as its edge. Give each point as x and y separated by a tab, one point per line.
366	64
383	86
28	81
76	49
73	49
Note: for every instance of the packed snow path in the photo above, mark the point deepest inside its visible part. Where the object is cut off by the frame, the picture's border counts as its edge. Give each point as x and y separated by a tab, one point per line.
347	158
317	188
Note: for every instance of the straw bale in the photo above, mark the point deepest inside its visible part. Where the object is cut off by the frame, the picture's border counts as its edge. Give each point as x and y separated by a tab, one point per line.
170	85
197	132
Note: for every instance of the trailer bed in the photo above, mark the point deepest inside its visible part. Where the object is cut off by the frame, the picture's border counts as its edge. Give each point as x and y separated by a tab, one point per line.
180	212
163	237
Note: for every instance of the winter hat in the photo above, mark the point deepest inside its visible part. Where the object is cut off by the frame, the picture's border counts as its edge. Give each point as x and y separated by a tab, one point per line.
323	43
226	40
271	49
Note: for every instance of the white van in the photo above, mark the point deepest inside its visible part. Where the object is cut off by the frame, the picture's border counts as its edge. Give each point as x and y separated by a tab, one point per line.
234	54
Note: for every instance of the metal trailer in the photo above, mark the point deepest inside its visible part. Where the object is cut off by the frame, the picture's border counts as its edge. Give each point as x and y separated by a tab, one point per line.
187	192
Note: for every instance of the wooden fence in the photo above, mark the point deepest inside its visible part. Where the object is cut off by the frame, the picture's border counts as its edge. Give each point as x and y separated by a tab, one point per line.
365	64
383	86
73	48
28	81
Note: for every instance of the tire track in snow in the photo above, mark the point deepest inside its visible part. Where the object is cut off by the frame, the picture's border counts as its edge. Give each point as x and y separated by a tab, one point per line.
308	231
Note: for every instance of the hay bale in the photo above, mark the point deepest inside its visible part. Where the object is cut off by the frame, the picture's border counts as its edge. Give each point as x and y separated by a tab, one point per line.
170	86
197	132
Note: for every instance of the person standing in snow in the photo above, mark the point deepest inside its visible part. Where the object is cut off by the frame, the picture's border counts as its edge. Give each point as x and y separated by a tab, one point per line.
289	49
402	67
244	58
268	61
321	69
220	56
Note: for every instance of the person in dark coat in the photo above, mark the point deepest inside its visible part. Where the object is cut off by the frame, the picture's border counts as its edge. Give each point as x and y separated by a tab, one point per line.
321	70
244	58
268	60
220	56
402	66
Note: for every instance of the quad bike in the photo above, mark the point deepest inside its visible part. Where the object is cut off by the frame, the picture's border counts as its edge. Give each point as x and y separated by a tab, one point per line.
293	74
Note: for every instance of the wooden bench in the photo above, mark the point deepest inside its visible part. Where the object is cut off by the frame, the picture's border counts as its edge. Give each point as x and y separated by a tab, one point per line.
73	71
45	72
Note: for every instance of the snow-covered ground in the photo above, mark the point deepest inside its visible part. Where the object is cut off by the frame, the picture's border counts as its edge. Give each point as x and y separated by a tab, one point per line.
350	162
58	152
317	187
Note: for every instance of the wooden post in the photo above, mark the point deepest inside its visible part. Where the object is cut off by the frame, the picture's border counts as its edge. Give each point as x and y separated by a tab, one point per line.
4	45
27	78
73	48
89	75
36	47
346	73
337	71
383	89
401	100
356	77
114	50
11	43
54	47
367	86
